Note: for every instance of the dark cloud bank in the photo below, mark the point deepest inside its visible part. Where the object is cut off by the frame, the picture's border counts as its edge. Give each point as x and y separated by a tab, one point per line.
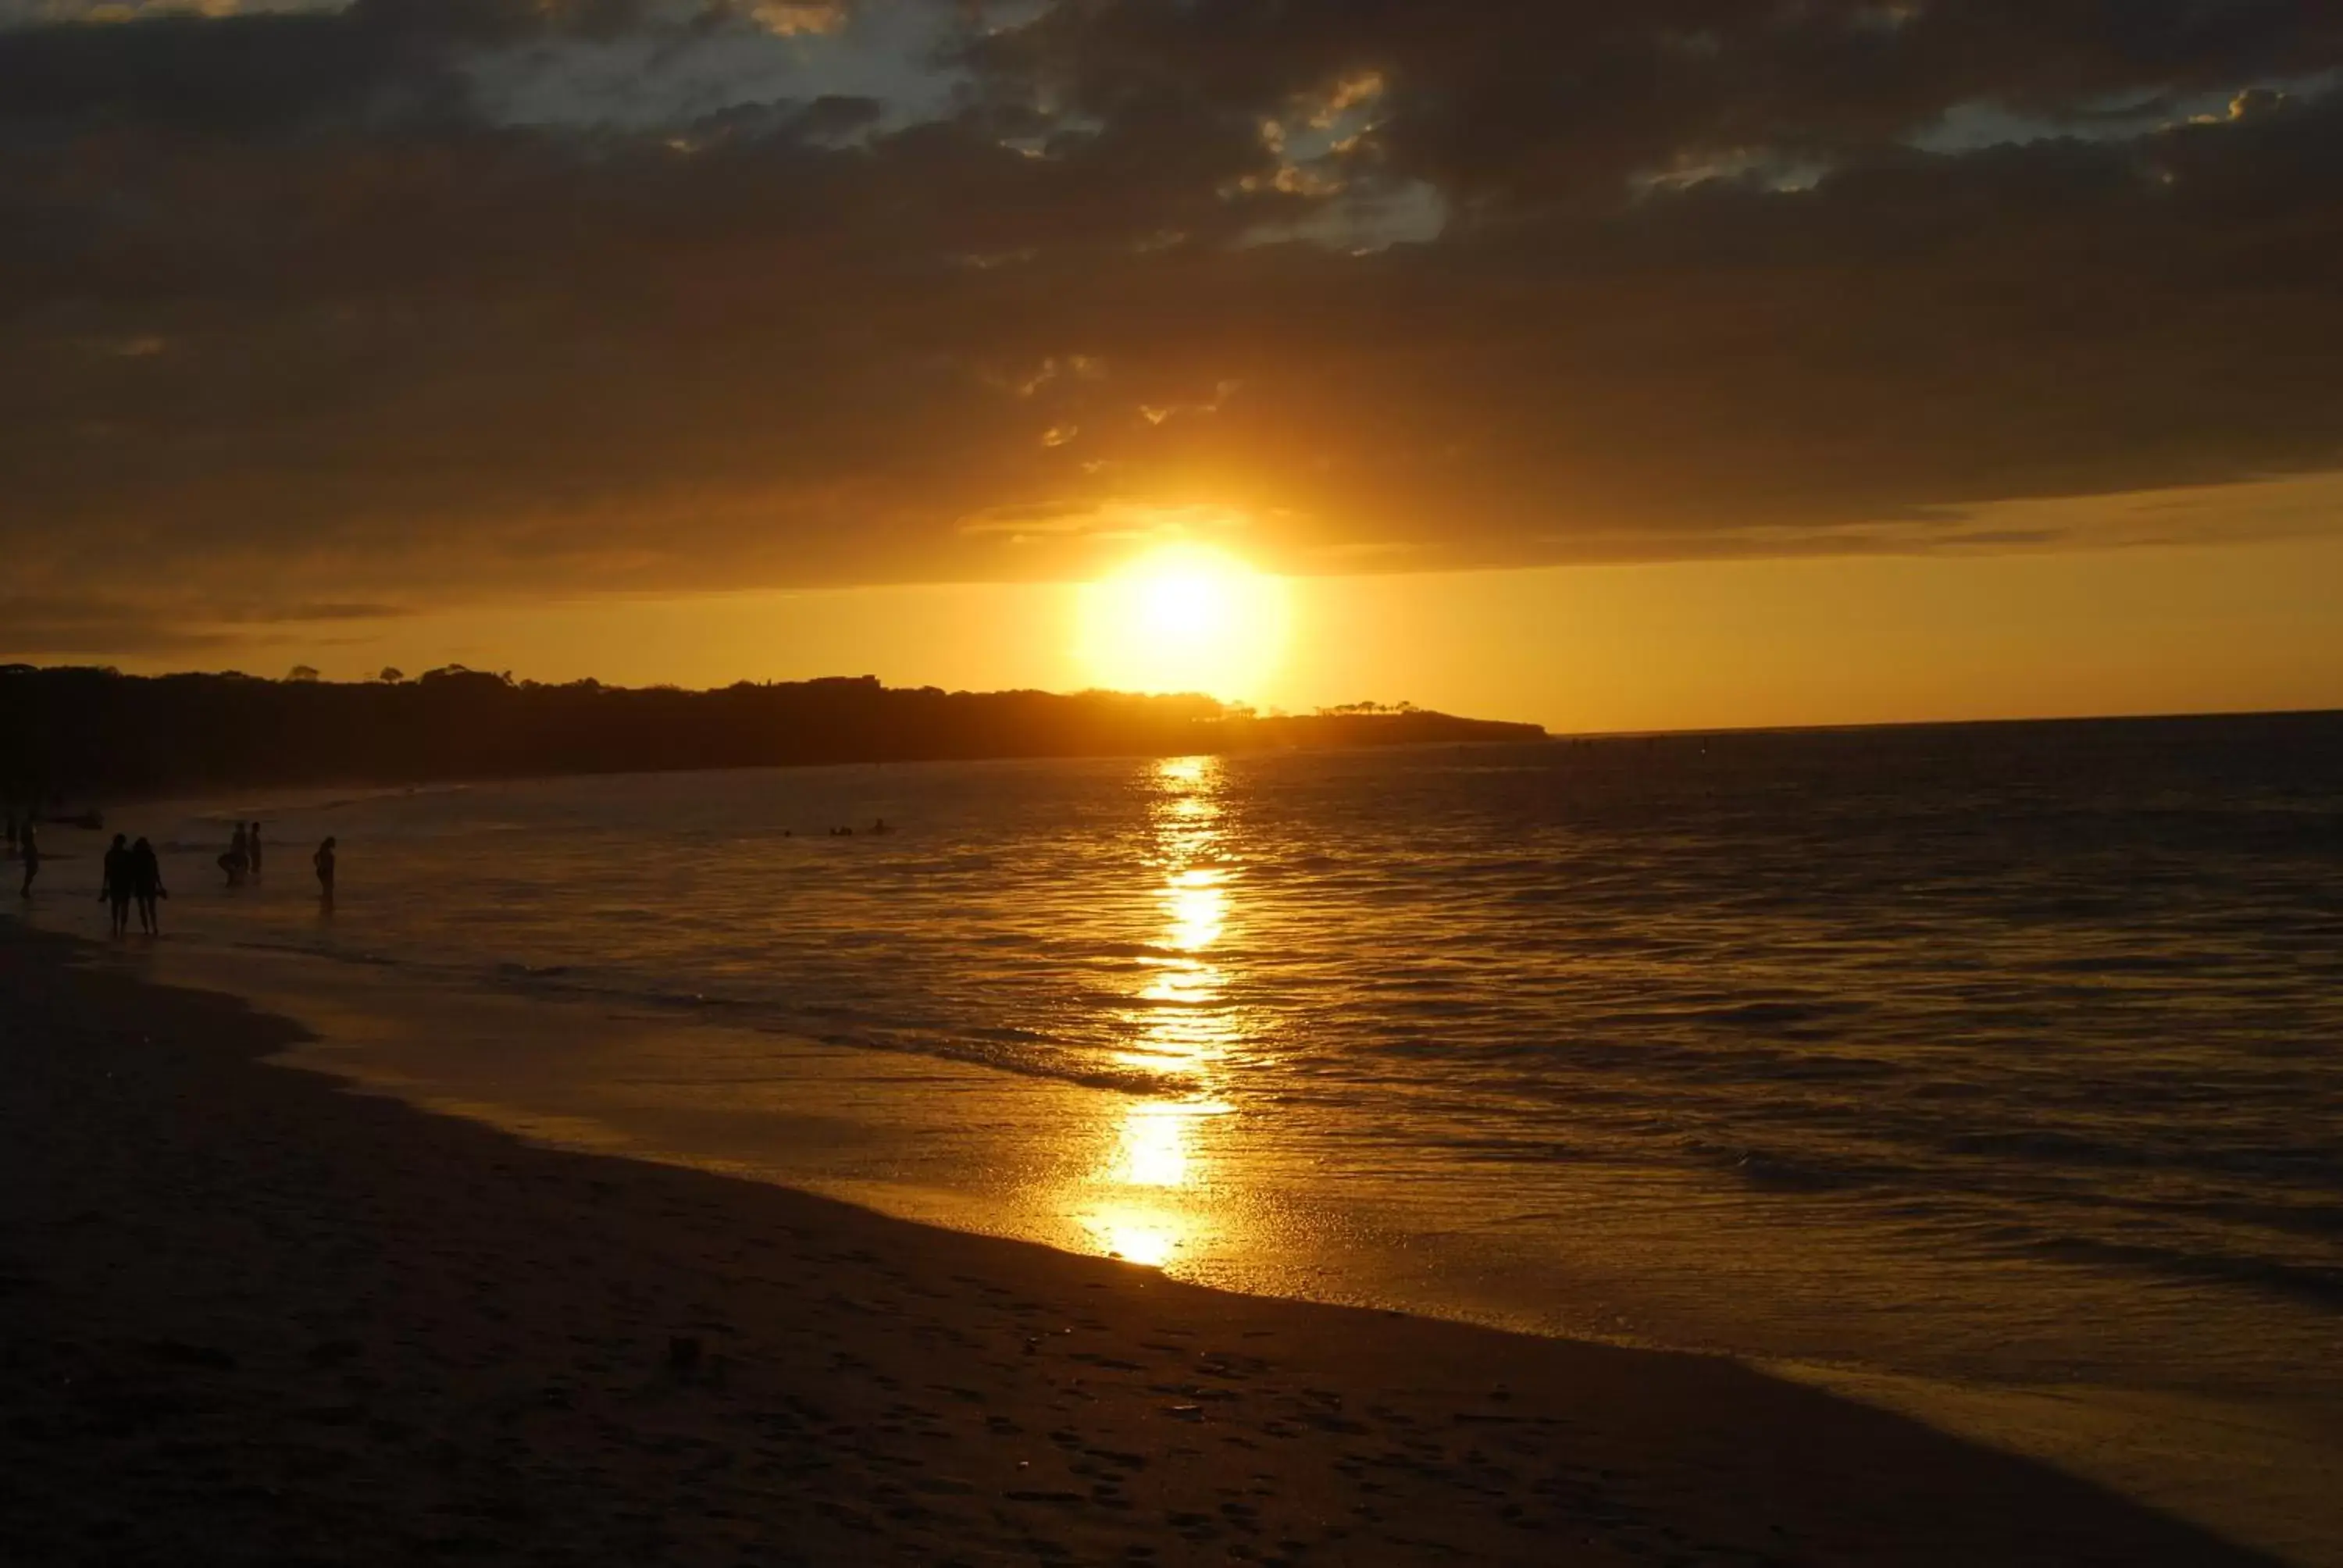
297	311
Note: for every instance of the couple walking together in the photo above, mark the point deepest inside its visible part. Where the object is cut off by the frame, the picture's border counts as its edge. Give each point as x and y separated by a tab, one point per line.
133	875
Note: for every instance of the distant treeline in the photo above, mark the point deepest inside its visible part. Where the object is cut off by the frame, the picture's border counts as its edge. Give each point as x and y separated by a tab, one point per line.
71	735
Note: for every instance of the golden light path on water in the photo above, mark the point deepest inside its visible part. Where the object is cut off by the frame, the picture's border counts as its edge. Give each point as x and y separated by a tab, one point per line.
1139	1203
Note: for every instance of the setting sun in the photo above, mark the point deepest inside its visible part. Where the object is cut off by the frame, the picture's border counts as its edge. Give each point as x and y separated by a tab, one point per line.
1183	618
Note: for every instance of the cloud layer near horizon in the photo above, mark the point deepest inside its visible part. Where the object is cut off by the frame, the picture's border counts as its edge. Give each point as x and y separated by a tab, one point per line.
426	297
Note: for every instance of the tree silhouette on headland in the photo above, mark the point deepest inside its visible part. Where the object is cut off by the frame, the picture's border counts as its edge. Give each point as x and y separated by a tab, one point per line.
82	732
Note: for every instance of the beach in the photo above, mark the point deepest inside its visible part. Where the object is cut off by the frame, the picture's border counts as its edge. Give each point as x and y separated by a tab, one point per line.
250	1316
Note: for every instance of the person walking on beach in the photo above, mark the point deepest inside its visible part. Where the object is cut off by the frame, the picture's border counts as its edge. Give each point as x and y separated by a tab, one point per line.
324	860
253	848
146	886
28	845
238	858
114	887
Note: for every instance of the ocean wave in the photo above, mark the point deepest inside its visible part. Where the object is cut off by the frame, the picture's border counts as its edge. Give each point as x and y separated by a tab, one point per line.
1771	1170
2318	1284
1121	950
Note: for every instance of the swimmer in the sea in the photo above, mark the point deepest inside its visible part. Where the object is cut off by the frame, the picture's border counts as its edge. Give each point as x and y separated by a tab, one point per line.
238	858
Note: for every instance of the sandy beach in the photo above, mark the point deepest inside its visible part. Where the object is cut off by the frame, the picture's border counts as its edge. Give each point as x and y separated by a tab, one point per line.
247	1316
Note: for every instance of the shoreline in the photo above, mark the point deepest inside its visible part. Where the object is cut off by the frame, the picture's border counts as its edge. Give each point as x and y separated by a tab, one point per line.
249	1309
929	1141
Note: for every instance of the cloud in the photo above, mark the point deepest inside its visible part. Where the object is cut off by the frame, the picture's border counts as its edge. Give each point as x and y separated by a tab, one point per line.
164	622
301	308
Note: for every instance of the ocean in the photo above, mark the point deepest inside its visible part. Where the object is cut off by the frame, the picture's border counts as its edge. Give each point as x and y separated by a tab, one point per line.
1991	1055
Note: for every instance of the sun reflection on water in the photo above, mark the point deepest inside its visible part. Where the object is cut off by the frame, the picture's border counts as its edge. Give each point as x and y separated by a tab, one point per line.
1198	907
1141	1202
1154	1146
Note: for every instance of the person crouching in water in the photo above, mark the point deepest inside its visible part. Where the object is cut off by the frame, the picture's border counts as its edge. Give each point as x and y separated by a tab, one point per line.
146	886
115	887
238	858
324	860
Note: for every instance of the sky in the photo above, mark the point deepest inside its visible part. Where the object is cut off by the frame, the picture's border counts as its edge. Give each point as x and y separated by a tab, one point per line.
1692	363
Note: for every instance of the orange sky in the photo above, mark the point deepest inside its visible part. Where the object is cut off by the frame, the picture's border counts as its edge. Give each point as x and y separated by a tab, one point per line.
1609	366
1833	640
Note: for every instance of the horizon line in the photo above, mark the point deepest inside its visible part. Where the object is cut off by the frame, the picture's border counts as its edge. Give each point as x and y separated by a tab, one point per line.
1553	733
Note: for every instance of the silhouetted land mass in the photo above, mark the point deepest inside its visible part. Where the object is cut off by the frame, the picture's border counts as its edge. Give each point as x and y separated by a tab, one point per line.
75	733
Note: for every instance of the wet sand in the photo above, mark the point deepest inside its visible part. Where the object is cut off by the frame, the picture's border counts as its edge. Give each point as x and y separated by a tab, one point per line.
246	1316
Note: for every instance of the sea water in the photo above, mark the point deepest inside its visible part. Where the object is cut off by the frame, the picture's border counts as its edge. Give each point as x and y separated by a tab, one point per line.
2005	1054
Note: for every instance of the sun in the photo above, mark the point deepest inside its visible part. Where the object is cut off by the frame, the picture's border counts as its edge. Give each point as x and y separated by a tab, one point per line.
1183	618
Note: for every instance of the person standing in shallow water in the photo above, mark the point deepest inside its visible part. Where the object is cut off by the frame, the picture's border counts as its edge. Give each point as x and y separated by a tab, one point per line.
324	860
28	844
238	858
115	885
146	886
252	849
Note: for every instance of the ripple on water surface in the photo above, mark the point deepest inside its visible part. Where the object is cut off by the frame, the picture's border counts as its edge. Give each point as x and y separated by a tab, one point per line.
2003	1050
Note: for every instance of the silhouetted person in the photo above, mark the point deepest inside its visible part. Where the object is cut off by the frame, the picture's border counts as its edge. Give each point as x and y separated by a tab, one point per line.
880	826
114	887
324	860
146	886
28	844
238	858
253	848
